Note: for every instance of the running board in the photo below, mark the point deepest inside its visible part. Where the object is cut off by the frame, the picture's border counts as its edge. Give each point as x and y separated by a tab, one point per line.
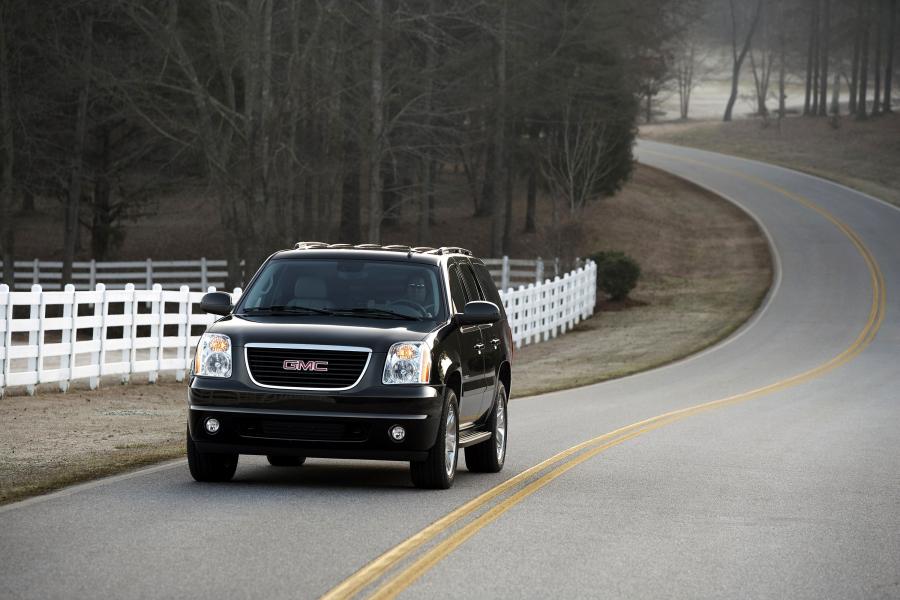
468	438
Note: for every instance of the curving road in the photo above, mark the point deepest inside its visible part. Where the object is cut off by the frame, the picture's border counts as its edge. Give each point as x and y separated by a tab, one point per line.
767	466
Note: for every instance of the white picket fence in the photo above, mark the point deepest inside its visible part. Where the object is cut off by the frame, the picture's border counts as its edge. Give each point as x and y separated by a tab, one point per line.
541	311
200	274
171	274
57	337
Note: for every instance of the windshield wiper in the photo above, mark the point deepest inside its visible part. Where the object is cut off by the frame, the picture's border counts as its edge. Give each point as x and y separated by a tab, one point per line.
375	312
287	310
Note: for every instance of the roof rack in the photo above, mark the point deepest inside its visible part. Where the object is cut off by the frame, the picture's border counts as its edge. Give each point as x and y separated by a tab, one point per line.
390	248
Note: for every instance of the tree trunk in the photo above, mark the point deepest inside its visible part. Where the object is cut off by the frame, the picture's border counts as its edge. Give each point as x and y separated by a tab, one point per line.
889	59
350	191
862	108
532	199
879	26
7	186
70	237
824	40
499	206
738	57
816	63
810	53
377	115
857	45
782	68
486	203
102	218
836	95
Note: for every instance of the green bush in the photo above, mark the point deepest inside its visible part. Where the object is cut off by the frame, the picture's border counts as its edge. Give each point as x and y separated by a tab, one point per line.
617	273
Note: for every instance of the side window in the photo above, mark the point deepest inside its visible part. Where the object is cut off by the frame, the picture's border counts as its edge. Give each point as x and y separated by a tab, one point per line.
457	293
487	284
469	279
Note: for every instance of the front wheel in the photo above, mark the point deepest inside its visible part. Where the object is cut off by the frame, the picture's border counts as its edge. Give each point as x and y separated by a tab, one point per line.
438	470
489	455
209	467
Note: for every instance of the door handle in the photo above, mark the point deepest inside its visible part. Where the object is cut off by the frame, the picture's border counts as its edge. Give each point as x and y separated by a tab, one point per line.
479	346
495	342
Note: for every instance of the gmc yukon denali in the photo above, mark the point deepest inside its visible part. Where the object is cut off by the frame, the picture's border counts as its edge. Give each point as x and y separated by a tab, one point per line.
364	352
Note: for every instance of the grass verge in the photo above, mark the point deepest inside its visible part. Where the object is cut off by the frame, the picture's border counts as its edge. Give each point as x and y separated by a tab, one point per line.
864	155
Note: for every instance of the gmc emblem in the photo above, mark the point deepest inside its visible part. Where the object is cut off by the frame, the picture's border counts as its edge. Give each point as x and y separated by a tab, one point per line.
305	365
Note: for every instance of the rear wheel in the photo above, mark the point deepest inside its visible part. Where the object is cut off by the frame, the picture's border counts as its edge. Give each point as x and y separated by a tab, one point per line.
489	455
285	461
438	470
210	467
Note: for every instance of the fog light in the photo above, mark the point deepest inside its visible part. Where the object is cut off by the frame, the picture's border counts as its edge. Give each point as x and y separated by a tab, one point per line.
212	425
397	433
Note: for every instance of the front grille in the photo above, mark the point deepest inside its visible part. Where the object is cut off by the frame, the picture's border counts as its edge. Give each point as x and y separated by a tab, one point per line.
344	367
309	431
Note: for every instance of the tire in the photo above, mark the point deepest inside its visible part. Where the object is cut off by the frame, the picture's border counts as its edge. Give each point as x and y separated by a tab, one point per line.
210	467
438	470
285	461
489	455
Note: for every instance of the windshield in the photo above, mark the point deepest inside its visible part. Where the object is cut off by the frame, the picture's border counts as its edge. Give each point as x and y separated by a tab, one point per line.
346	287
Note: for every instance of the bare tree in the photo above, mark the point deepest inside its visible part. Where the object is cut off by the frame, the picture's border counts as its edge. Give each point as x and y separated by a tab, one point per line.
889	59
824	42
762	61
76	172
738	56
7	146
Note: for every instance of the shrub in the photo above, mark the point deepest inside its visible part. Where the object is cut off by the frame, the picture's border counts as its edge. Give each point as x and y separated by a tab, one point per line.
617	273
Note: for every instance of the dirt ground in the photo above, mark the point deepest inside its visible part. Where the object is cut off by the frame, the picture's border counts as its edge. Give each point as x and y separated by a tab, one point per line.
864	155
705	266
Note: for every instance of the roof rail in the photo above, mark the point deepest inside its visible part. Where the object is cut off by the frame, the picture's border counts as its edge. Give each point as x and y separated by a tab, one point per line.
390	247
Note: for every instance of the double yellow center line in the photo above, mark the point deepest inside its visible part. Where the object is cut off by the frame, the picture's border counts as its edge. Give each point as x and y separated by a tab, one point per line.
566	460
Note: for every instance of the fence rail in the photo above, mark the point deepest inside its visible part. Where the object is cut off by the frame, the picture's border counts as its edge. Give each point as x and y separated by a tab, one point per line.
59	337
199	274
170	274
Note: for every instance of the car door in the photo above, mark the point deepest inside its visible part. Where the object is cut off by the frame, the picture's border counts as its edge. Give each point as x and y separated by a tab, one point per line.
491	342
493	334
471	352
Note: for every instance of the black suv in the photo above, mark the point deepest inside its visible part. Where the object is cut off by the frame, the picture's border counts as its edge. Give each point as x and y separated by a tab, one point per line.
339	351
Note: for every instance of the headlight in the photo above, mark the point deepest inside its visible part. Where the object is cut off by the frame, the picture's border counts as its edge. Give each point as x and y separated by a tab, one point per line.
213	358
407	362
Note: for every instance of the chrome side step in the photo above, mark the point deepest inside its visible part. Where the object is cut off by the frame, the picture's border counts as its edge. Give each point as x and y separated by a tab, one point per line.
470	438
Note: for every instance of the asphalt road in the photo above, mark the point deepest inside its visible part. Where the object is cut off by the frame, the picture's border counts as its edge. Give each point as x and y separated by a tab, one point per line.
767	466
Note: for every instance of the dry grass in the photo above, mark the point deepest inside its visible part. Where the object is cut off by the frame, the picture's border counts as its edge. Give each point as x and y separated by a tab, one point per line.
51	440
861	154
706	266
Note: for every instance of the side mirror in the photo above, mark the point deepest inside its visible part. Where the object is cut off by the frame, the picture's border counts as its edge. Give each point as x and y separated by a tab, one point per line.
479	313
217	303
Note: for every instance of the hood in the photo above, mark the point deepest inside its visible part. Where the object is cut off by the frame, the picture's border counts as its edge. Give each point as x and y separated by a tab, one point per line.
377	334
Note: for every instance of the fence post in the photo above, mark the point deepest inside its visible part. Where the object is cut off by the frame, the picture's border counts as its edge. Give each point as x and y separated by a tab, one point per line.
204	277
92	278
149	273
99	335
131	306
69	335
184	330
35	272
7	336
156	332
36	336
556	267
538	270
504	274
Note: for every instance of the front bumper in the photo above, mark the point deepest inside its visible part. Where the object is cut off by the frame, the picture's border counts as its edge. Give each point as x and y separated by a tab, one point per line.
351	424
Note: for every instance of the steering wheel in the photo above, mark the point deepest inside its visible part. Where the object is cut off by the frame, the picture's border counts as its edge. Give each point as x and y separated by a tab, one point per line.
423	312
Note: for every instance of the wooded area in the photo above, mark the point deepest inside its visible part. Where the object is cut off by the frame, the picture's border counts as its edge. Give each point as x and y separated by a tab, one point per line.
327	119
317	118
